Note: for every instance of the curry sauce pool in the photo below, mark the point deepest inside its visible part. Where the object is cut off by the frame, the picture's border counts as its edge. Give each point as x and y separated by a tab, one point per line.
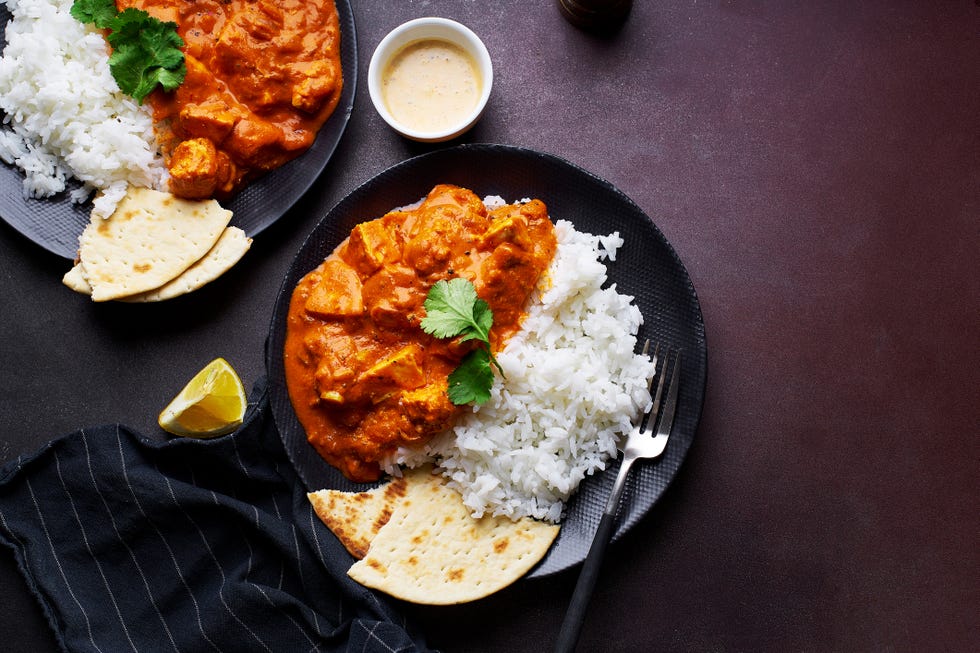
363	377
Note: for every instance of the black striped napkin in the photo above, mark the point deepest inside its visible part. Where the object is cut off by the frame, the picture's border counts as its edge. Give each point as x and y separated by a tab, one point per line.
136	545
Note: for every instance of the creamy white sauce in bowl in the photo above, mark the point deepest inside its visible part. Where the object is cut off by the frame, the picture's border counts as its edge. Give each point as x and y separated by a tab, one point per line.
430	79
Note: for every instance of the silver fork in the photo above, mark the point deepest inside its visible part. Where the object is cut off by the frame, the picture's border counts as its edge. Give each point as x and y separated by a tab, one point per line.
641	443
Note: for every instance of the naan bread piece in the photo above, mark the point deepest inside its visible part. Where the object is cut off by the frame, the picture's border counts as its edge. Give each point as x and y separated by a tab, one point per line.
150	239
75	279
432	551
230	248
356	517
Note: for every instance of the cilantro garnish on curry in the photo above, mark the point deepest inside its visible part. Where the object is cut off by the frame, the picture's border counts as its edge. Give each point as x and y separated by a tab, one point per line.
453	309
145	51
393	330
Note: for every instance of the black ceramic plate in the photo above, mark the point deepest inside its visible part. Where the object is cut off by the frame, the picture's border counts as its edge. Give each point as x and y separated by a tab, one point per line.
646	267
56	223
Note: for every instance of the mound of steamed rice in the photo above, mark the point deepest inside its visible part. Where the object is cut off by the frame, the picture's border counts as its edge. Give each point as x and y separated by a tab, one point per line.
573	386
64	115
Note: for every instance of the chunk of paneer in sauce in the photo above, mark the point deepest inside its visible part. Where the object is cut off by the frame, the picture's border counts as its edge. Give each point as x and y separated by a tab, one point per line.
374	244
363	377
337	293
198	169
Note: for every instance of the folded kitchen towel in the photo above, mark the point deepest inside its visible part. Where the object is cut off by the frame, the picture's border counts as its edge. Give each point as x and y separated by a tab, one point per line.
186	545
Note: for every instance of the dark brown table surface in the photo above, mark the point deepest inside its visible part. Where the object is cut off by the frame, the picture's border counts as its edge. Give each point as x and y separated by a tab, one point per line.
817	168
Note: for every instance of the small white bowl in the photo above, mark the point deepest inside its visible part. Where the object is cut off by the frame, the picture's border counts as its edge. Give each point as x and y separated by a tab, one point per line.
421	29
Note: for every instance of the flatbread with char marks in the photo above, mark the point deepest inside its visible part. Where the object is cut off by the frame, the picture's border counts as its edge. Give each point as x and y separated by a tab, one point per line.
417	541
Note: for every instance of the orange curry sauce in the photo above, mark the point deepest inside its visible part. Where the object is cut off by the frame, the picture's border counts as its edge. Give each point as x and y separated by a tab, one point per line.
262	78
363	377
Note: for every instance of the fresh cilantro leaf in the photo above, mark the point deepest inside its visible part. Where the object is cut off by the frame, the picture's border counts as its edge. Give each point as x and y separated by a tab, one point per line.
472	380
98	12
453	310
145	51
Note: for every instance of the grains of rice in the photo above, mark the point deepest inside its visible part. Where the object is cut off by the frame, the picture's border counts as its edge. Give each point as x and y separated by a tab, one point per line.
64	115
573	386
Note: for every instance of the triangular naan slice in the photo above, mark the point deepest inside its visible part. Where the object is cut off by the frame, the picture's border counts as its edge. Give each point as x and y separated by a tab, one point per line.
229	249
150	239
430	549
356	517
75	279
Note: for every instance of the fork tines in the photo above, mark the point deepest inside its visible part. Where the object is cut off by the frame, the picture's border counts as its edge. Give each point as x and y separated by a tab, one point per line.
659	377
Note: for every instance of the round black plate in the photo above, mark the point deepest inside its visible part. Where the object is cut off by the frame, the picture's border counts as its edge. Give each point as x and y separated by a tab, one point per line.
646	267
55	223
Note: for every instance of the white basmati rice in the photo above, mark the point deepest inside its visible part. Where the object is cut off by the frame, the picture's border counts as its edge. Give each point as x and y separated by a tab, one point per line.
65	116
573	386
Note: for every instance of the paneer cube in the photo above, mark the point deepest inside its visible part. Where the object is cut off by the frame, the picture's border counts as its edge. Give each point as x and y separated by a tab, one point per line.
511	228
338	365
255	142
316	82
198	169
211	119
427	408
337	293
400	371
370	245
456	196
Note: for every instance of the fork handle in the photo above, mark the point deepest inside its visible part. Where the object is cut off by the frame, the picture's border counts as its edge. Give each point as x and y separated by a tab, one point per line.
575	616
